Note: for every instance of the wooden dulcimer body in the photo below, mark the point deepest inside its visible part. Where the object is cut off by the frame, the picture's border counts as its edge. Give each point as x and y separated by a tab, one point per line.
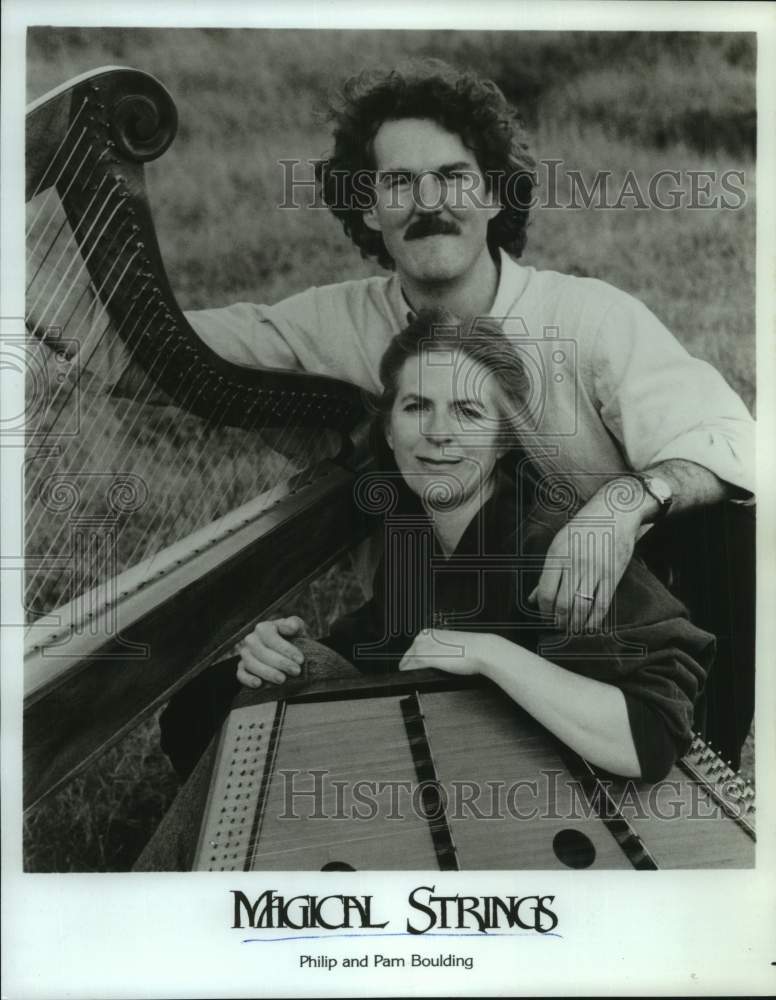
421	773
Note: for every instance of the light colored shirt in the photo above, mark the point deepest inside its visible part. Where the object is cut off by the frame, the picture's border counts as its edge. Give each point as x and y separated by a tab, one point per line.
609	387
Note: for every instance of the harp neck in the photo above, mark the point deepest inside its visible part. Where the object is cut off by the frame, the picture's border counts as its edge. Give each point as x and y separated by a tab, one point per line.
100	132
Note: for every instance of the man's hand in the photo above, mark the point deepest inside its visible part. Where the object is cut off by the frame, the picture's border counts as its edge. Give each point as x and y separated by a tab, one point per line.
267	655
444	648
586	561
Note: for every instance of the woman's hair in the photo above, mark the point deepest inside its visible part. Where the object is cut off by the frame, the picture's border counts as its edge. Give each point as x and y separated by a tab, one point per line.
460	102
481	339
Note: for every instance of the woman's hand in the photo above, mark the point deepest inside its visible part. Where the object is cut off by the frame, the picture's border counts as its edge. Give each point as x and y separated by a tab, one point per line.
460	653
267	655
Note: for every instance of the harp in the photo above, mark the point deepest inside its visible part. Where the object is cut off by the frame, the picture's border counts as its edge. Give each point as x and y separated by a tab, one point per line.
130	589
136	553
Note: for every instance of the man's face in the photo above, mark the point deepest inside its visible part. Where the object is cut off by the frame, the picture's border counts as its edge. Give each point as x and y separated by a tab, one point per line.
432	204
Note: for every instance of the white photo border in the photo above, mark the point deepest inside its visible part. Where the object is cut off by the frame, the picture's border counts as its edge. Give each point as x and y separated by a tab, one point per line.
169	934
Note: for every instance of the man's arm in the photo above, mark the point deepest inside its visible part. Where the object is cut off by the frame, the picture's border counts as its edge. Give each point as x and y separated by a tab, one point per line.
660	403
692	485
337	330
587	558
674	417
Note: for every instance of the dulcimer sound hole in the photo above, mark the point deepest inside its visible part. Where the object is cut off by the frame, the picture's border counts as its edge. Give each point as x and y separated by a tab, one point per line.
573	848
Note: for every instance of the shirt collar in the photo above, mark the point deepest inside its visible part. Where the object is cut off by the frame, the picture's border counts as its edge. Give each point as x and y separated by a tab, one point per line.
511	282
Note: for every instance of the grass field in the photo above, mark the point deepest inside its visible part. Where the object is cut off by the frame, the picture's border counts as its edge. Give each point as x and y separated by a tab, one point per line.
616	102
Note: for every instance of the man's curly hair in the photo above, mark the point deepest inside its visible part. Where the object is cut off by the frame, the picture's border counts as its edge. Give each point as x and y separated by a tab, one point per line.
460	102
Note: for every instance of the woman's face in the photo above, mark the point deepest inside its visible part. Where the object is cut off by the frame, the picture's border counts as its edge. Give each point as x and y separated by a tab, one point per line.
444	426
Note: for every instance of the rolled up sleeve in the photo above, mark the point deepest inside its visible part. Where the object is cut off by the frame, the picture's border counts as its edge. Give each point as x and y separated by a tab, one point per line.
658	659
661	403
246	334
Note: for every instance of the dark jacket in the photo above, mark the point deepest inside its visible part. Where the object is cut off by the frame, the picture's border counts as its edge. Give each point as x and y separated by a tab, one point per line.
647	647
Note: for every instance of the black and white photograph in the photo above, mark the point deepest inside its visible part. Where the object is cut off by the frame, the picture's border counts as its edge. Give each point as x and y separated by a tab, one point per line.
384	550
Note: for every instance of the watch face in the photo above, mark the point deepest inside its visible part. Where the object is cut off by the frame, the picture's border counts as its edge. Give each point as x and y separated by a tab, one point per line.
659	489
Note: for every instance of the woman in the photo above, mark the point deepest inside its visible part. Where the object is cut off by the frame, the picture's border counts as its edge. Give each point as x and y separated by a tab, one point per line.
465	537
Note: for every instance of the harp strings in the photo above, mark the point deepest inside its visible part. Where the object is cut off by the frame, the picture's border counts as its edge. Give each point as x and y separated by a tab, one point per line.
45	181
64	390
223	496
126	437
75	259
51	216
174	513
102	229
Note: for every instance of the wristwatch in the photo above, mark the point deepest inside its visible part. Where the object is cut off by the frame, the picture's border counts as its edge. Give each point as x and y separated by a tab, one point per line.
659	489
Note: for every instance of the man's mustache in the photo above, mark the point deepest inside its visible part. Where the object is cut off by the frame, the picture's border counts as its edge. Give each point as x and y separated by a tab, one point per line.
431	225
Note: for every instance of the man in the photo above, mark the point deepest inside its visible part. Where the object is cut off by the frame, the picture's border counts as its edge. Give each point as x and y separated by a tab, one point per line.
431	175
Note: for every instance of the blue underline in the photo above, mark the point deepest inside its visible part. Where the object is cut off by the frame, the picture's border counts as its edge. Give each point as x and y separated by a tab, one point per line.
328	937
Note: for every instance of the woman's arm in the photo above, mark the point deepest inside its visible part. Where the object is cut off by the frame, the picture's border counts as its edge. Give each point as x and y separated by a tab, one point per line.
268	653
265	655
588	715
